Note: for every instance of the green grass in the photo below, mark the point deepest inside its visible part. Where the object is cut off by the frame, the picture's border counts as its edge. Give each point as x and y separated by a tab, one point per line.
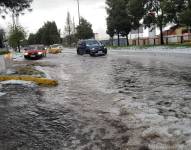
184	45
27	70
37	80
3	52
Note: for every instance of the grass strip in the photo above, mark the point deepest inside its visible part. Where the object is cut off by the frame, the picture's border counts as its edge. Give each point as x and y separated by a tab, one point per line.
3	52
38	81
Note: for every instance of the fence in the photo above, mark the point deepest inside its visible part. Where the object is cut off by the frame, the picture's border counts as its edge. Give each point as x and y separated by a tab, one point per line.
171	39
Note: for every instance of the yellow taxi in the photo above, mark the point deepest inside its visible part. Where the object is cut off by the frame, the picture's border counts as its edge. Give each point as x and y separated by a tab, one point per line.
55	49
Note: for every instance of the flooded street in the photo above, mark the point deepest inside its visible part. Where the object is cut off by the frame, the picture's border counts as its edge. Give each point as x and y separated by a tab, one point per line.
128	100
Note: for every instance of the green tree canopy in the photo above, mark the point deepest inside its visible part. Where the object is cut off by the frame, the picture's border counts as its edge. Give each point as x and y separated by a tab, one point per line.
15	3
156	15
110	29
123	16
15	6
84	30
162	12
48	34
117	21
32	39
16	36
2	37
68	29
184	16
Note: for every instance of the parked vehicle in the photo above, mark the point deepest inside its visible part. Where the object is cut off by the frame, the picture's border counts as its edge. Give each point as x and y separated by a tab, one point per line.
35	51
92	47
56	48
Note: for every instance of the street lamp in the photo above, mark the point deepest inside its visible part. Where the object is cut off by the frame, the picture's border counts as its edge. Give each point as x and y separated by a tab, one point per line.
78	11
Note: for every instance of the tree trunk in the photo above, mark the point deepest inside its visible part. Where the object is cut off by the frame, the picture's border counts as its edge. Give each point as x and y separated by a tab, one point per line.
69	33
167	38
161	35
182	39
138	37
13	20
127	38
118	37
18	45
111	41
188	29
19	48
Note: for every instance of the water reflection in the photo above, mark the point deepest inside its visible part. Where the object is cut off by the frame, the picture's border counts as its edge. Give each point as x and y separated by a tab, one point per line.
5	62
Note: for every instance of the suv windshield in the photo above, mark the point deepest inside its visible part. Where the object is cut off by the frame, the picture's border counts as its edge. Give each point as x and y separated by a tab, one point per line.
92	43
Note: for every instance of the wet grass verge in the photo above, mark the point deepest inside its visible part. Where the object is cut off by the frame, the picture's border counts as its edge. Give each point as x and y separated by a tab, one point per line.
3	52
34	63
38	80
28	70
184	45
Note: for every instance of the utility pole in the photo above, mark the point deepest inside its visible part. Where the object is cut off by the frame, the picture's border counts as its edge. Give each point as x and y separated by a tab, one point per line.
79	11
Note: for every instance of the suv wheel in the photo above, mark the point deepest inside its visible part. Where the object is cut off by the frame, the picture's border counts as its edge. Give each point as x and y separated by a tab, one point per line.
105	52
80	52
92	54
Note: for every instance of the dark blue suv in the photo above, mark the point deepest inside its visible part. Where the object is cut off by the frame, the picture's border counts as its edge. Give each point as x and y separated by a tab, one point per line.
92	47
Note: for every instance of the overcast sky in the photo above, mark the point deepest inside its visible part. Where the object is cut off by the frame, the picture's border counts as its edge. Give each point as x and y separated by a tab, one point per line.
56	10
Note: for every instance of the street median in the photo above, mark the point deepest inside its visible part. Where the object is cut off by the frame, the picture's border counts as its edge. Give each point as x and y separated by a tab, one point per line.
37	80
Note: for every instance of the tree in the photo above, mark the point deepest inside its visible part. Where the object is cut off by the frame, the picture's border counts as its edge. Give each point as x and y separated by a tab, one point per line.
2	36
68	29
110	29
162	12
73	38
48	34
173	9
84	30
114	17
123	20
15	7
184	16
15	3
32	39
123	16
136	10
16	36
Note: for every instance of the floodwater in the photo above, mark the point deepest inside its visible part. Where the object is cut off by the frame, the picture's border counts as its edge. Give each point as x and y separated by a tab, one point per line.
126	100
5	62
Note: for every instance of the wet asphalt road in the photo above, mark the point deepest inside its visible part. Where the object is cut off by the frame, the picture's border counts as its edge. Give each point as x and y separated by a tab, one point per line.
93	107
